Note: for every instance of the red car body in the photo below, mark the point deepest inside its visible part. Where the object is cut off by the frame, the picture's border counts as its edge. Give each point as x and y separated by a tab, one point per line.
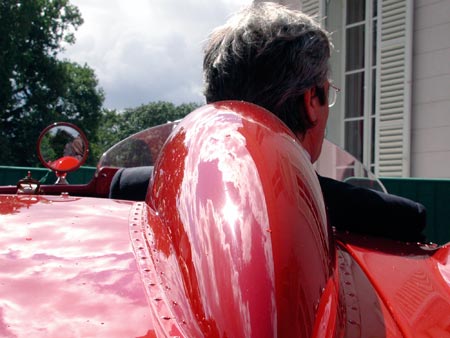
232	240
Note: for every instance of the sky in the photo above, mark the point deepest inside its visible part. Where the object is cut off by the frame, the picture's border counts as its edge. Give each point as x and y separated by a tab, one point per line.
147	50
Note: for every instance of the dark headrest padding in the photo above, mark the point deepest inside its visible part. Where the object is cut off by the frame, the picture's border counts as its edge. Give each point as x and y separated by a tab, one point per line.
130	183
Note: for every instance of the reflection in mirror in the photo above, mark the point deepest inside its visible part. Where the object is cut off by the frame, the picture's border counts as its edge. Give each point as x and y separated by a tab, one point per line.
62	147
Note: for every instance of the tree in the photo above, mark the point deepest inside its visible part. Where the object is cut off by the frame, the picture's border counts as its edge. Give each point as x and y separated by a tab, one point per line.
153	114
115	126
36	88
82	103
110	131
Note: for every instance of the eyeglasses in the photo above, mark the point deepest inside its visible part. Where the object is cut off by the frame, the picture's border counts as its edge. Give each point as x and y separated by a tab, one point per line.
332	94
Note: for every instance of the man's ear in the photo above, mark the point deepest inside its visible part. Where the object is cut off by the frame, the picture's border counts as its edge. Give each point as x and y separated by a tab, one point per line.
312	105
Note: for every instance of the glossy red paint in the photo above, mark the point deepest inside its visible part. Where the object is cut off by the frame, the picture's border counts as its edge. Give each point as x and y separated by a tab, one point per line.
240	247
229	183
231	242
364	313
412	281
68	269
65	163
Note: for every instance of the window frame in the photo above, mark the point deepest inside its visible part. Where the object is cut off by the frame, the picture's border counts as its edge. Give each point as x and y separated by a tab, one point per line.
369	71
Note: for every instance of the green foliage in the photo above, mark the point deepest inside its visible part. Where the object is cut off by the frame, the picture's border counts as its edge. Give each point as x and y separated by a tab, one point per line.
37	89
153	114
109	132
47	150
115	126
82	104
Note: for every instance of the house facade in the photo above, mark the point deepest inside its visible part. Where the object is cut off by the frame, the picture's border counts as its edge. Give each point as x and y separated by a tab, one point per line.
391	59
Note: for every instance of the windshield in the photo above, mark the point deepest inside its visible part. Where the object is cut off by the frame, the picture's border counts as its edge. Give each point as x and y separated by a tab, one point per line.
137	150
336	163
142	149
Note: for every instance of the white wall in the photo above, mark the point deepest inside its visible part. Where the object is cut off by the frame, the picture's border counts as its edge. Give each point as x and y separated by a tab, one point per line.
430	147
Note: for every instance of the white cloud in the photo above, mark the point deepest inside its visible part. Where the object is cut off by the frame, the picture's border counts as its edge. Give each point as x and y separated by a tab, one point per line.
147	50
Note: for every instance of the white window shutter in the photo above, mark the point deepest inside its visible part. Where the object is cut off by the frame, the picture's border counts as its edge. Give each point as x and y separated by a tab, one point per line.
313	8
393	93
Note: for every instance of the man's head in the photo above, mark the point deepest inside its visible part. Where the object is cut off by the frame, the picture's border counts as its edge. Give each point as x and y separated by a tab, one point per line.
276	58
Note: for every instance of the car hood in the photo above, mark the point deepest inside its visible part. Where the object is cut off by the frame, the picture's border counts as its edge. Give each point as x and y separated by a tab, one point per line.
68	269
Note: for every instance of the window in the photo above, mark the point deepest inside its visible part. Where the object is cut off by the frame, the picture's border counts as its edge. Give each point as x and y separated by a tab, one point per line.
360	18
372	64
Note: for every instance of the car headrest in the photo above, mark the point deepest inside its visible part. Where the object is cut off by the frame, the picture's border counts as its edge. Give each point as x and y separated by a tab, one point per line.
130	183
242	226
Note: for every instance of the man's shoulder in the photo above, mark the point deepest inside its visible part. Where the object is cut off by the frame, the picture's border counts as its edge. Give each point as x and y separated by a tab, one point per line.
372	212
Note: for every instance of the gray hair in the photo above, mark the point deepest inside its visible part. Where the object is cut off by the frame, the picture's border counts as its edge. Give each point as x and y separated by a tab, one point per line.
269	55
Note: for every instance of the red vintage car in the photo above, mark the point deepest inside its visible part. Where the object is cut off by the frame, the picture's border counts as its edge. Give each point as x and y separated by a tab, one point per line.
211	227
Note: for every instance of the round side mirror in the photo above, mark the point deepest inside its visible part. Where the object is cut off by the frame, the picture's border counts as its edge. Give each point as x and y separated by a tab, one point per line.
62	147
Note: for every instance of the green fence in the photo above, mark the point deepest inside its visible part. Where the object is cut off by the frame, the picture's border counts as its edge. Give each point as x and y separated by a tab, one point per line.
434	194
11	175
